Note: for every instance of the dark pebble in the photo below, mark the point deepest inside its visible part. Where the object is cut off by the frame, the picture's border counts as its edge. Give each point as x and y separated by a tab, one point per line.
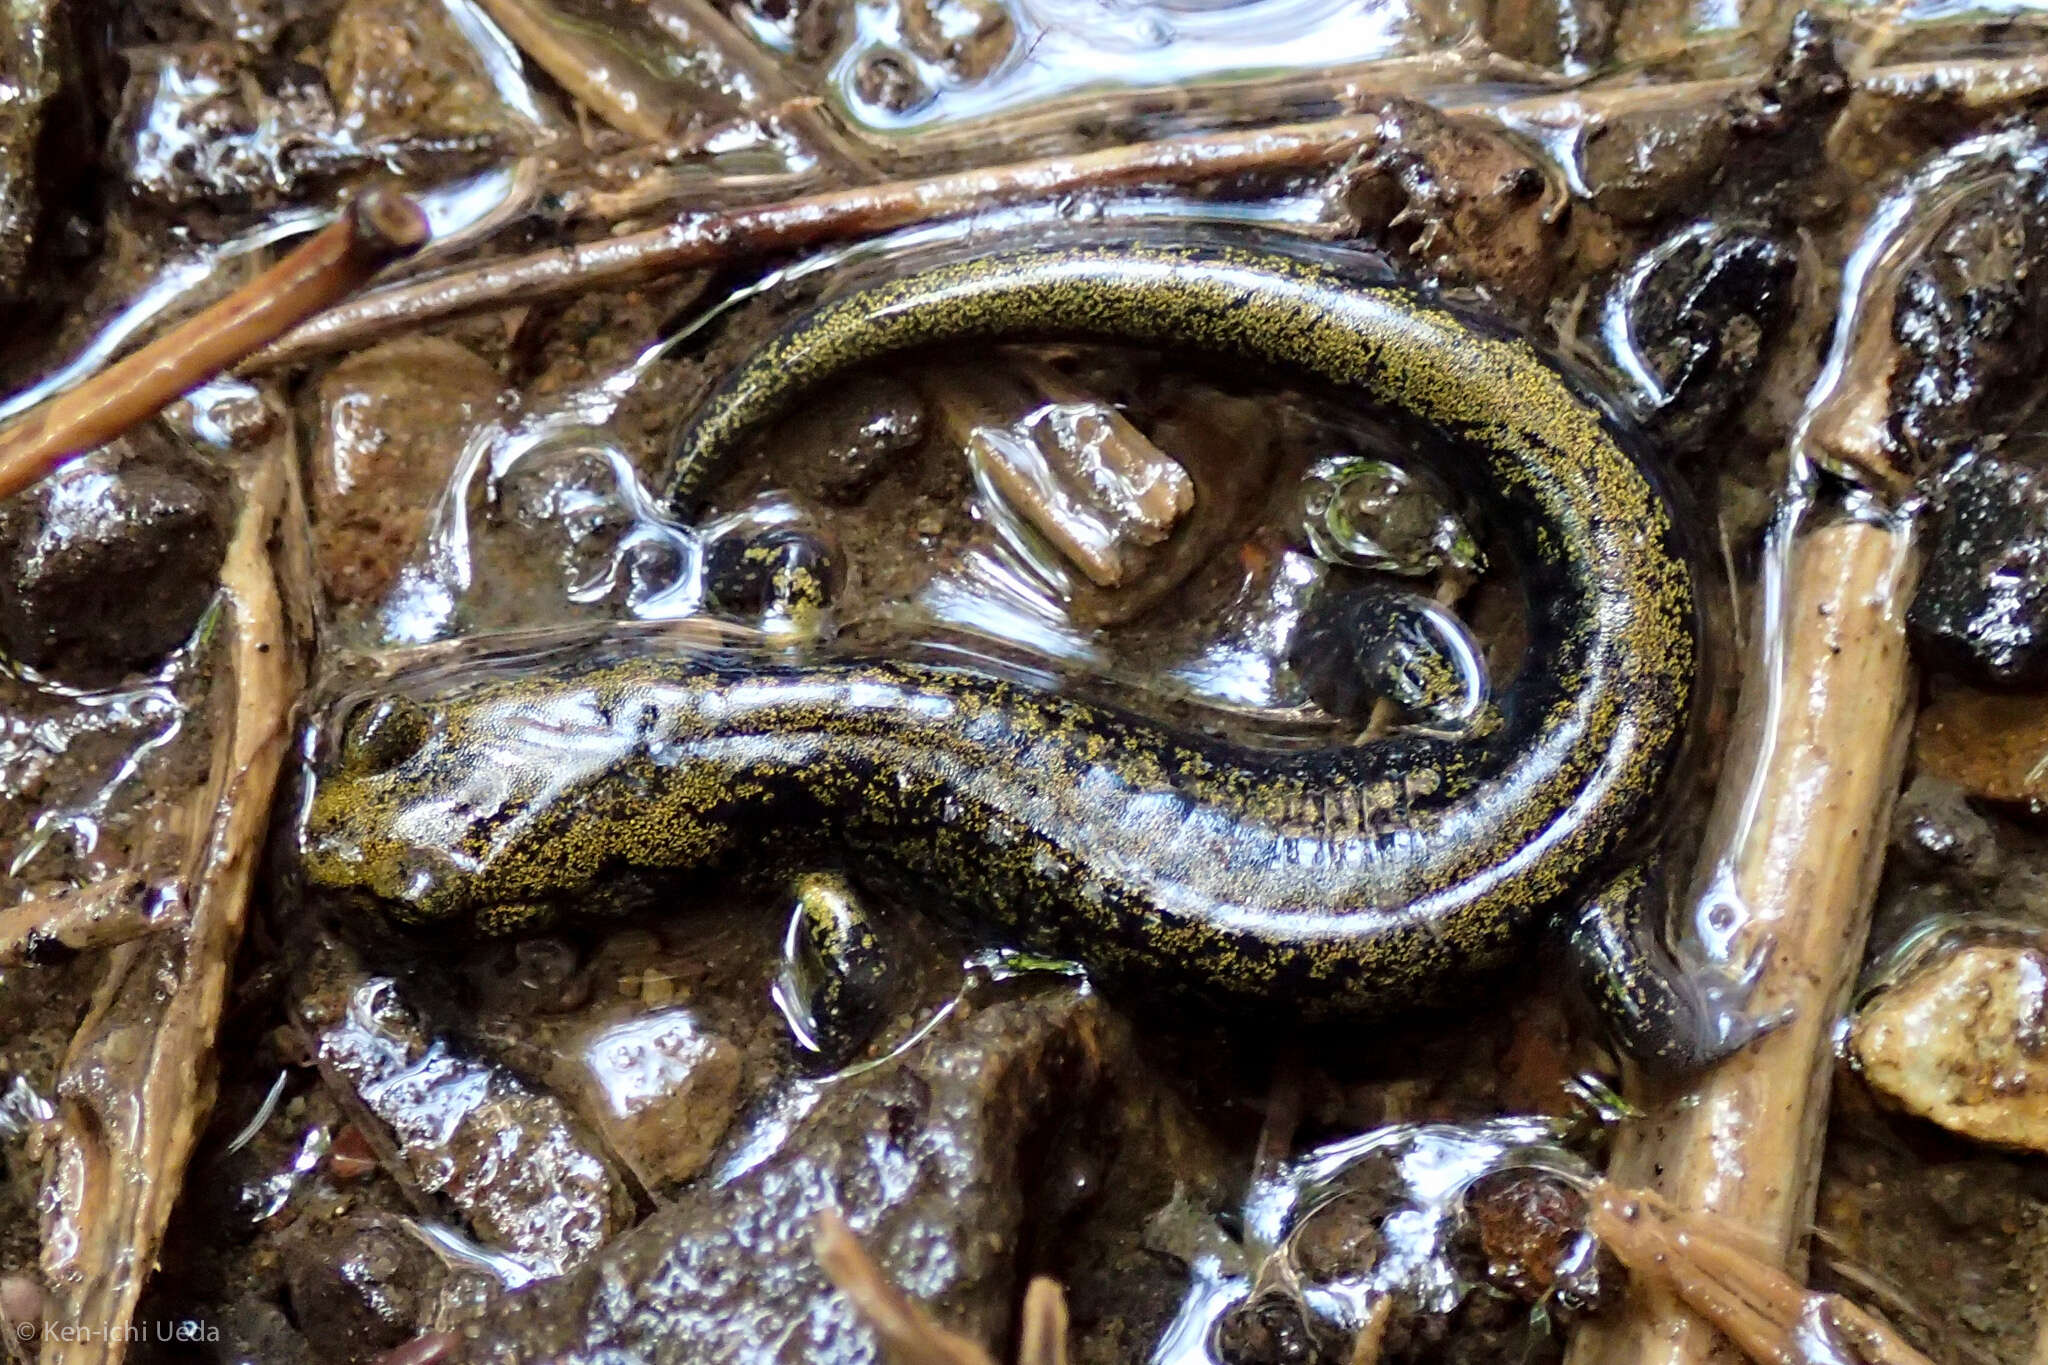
110	561
1981	608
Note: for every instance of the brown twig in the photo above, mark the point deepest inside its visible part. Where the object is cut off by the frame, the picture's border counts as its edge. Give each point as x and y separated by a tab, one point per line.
836	215
618	89
1759	1307
1042	1339
138	1081
908	1334
1797	836
842	215
375	229
1371	1340
97	916
1802	814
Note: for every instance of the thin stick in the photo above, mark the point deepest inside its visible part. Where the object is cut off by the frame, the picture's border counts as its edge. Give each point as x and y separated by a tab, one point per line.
375	229
1759	1307
139	1078
841	215
908	1334
97	916
835	215
619	90
1043	1338
1371	1340
1804	813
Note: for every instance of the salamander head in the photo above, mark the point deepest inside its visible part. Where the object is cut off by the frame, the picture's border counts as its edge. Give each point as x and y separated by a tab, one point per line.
463	809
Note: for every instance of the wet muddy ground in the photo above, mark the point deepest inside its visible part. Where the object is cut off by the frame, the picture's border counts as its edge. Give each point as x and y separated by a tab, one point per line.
610	1138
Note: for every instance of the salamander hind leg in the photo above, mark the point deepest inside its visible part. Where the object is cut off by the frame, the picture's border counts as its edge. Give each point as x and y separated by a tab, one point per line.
1665	1015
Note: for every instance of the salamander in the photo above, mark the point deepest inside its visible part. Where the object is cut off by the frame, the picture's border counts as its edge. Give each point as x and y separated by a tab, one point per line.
1360	877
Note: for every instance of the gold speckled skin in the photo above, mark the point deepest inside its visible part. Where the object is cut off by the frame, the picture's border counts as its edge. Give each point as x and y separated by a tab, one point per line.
1362	876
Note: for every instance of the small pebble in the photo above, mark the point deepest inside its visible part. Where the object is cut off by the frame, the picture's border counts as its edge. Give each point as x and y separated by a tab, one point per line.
1936	832
21	1301
1981	607
887	80
1962	1041
1990	744
110	562
1339	1240
351	1157
1528	1224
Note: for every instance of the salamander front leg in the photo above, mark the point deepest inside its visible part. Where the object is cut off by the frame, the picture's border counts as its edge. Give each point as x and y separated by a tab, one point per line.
836	976
1665	1015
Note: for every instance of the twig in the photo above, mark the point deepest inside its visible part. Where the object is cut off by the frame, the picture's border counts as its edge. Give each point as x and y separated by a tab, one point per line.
1803	818
97	916
375	229
619	90
836	215
1371	1340
1794	847
907	1333
1043	1337
1759	1307
425	1349
1281	1122
841	215
662	183
138	1080
1792	855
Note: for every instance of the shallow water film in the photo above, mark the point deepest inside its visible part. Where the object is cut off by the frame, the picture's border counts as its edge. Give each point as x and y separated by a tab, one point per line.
1200	682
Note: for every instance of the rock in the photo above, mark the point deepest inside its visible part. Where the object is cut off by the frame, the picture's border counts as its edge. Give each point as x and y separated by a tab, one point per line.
1461	201
1990	744
1355	648
1981	607
196	126
968	38
1339	1240
1573	36
860	429
1971	319
110	561
1529	1225
1936	833
361	1285
771	565
401	71
512	1160
1963	1041
924	1154
888	80
665	1090
392	423
1806	81
34	53
1640	166
1374	514
1701	318
1274	1328
403	93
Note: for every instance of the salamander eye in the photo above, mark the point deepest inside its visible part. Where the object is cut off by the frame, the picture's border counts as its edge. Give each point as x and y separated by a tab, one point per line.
379	735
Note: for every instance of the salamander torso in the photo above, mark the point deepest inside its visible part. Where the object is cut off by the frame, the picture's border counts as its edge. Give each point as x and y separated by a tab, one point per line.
1359	876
